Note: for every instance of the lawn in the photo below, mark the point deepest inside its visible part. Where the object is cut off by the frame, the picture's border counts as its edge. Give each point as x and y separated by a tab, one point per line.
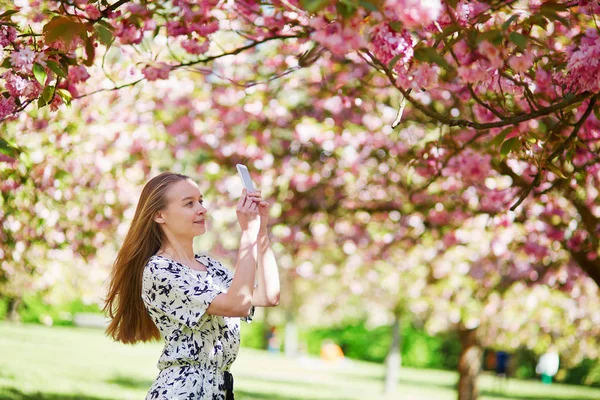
38	362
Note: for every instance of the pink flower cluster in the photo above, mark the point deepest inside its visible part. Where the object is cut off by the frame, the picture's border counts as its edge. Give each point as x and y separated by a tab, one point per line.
8	34
193	46
78	73
583	65
337	37
129	33
414	13
202	28
155	73
7	107
19	87
22	60
425	76
386	43
470	166
92	12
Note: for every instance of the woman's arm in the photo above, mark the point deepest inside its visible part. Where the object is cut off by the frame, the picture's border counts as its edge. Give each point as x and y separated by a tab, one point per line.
266	294
238	299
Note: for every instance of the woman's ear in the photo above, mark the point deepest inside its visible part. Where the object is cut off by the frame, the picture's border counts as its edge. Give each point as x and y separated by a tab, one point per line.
158	218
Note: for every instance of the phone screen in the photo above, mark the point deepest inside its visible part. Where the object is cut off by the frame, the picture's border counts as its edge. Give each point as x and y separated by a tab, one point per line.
245	175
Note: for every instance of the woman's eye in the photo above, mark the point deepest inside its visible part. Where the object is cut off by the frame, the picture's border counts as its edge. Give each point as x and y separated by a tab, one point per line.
189	204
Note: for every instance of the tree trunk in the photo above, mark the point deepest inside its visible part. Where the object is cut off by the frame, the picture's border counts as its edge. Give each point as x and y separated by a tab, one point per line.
469	364
291	337
13	309
266	329
394	359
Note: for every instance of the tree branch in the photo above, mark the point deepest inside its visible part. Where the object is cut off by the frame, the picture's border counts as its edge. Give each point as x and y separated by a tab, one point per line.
517	118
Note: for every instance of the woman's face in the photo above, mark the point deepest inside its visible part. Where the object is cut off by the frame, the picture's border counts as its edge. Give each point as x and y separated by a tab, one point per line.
184	215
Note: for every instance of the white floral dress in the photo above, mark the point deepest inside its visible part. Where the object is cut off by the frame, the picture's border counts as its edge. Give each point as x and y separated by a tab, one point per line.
199	347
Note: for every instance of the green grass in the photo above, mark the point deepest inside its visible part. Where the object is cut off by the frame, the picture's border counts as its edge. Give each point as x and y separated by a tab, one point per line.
37	363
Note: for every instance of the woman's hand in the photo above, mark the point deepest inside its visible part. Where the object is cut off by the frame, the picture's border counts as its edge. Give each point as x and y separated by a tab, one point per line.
247	213
263	212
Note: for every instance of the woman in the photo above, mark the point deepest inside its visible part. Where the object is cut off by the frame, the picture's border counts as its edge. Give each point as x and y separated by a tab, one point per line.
160	288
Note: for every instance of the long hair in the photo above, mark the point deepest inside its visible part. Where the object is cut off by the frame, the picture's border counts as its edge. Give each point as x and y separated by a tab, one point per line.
130	322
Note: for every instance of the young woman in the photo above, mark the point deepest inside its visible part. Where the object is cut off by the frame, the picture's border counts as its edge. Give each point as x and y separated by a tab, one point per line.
160	288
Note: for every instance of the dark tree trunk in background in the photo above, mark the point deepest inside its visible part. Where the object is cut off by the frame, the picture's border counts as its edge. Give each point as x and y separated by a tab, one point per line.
13	309
393	360
469	364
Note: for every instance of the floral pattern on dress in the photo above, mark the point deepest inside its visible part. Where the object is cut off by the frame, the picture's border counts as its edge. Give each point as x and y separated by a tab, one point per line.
199	347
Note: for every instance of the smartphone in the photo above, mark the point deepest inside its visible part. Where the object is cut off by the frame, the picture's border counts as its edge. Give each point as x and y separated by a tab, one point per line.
245	175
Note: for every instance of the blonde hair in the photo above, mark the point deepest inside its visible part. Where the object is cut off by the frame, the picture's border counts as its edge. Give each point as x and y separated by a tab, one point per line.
130	322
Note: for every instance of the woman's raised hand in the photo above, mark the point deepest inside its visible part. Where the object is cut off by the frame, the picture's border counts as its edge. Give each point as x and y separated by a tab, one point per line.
247	212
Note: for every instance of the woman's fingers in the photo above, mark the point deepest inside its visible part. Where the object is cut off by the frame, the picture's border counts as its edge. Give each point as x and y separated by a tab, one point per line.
242	200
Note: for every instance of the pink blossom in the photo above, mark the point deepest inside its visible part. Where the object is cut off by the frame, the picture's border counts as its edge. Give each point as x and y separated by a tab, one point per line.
470	166
193	46
155	73
425	76
129	34
92	12
583	66
56	103
521	63
22	60
7	106
19	87
175	28
8	35
337	37
492	53
483	114
4	157
589	7
78	73
204	29
414	13
474	73
387	44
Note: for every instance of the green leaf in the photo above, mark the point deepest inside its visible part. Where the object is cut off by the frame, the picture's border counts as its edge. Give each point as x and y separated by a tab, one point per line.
65	95
519	39
396	26
8	13
452	3
314	6
367	5
346	9
493	36
394	61
63	28
508	146
90	51
539	20
8	149
105	24
40	73
554	6
105	36
46	97
428	54
6	63
554	169
56	68
509	21
500	137
449	30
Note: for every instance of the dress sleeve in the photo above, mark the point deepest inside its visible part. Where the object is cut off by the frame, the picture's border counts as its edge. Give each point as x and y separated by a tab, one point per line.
179	297
227	277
